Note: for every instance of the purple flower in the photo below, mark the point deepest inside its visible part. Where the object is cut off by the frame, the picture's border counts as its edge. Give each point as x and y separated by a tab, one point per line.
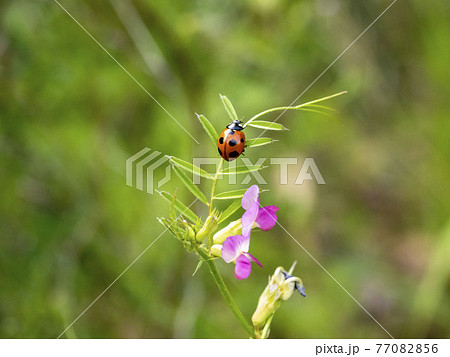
254	216
235	248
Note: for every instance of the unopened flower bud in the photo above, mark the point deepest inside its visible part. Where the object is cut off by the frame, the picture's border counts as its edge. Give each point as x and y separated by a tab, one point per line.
208	228
233	229
281	286
216	250
190	234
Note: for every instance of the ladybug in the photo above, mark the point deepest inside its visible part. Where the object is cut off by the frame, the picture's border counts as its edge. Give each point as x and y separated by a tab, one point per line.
231	141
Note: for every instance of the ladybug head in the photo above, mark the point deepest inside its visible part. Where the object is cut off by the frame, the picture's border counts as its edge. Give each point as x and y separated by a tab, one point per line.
235	125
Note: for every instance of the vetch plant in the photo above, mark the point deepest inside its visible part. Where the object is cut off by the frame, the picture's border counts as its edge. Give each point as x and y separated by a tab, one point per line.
232	243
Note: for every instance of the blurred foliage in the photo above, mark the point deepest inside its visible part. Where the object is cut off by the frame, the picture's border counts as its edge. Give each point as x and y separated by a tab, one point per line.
70	116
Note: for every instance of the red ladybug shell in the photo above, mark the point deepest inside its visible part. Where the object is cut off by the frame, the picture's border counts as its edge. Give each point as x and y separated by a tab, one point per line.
231	144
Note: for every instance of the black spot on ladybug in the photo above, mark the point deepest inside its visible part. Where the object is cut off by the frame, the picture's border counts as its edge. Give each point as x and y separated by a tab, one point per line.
221	140
233	154
232	142
242	140
220	152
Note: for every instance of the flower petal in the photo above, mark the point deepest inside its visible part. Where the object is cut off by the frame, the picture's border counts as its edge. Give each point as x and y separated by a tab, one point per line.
248	218
252	259
233	246
266	218
250	197
243	267
301	289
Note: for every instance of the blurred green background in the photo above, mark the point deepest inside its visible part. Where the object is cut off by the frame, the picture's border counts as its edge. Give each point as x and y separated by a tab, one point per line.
70	116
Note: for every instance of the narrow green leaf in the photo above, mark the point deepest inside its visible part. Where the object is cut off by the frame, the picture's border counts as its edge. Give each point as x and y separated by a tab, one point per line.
167	225
267	125
319	100
163	221
298	107
241	169
316	108
208	128
232	194
230	210
200	263
324	107
316	111
172	214
258	142
190	185
186	166
180	207
174	228
229	107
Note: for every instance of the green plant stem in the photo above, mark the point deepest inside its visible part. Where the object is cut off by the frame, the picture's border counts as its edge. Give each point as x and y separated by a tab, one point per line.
214	184
215	272
225	292
292	108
